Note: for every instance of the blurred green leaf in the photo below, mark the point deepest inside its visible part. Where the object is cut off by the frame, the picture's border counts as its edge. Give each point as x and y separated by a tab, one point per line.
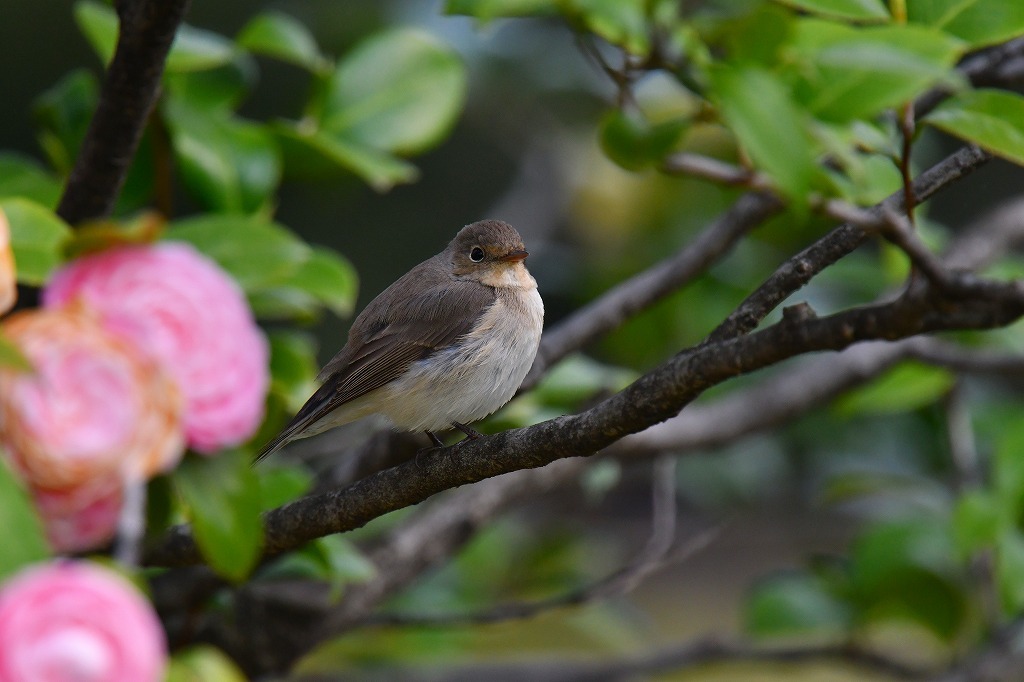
63	113
634	143
976	522
854	73
312	153
280	36
230	164
37	239
1010	570
578	378
11	356
218	89
795	603
1008	470
256	252
22	176
979	22
221	495
992	119
769	126
905	387
887	550
203	663
280	484
856	10
24	539
293	367
399	91
487	10
620	22
329	278
193	49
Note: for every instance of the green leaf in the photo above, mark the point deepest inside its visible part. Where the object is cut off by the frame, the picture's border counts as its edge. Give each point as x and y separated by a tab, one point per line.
193	49
293	367
211	90
37	238
855	10
99	25
11	357
634	143
795	603
620	22
903	388
203	663
231	165
317	153
1008	470
329	278
399	91
992	119
886	550
63	113
579	378
849	73
221	496
1010	571
282	37
256	252
976	522
24	539
22	176
344	561
979	22
280	484
768	125
488	10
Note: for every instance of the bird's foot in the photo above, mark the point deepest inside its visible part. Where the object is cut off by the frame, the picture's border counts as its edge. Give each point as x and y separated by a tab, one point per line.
471	434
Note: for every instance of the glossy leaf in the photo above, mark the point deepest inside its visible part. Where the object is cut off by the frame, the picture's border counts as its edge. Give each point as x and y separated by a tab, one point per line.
329	278
992	119
856	10
293	367
399	91
21	176
979	22
280	36
193	49
221	497
634	143
219	89
795	603
280	484
851	73
906	387
24	539
620	22
488	10
316	153
38	237
230	164
63	113
256	252
769	126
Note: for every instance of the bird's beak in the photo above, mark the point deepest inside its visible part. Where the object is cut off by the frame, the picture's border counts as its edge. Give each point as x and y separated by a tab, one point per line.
515	256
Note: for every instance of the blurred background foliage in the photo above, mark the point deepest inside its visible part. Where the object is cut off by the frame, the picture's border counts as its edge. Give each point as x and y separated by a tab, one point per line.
318	149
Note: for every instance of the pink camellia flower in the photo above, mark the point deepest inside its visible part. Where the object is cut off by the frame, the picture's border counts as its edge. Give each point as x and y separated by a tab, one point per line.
94	411
77	622
8	290
171	300
79	519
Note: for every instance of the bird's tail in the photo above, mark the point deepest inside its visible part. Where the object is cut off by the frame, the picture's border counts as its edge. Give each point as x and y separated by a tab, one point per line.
315	408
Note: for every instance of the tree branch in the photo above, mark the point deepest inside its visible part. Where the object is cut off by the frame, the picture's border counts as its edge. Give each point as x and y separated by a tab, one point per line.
129	92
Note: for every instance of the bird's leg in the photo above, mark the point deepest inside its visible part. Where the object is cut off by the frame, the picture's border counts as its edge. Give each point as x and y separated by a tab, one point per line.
472	434
434	439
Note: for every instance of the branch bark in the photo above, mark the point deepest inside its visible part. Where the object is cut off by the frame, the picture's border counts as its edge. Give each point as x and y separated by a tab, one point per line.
129	92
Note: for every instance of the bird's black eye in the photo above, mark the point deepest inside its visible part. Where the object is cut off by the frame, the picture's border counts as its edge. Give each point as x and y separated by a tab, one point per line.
476	254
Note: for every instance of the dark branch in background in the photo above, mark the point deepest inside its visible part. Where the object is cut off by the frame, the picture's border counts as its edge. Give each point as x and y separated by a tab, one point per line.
129	92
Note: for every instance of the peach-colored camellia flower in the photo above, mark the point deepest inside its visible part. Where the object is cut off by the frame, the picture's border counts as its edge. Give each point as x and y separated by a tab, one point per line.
171	300
95	409
79	519
77	622
8	290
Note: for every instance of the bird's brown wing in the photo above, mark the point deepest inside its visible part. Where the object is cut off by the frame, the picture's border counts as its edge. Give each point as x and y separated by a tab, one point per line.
385	340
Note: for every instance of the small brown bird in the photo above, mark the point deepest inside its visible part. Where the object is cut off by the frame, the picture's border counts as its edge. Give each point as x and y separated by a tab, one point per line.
445	345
